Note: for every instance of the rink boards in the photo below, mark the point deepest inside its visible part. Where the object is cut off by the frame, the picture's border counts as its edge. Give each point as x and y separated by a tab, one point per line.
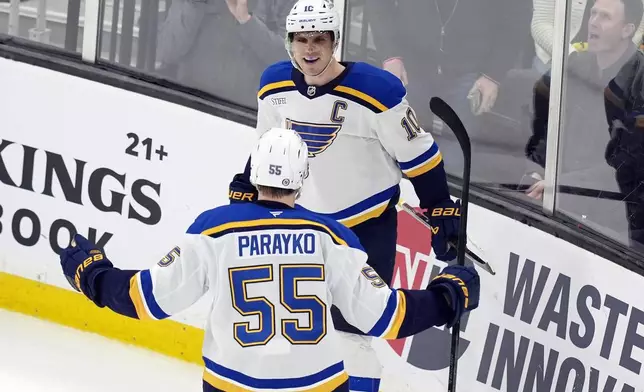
132	172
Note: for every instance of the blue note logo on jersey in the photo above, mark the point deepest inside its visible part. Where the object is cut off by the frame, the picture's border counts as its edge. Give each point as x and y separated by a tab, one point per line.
318	137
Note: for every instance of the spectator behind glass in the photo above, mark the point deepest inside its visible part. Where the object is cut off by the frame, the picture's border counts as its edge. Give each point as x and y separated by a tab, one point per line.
582	169
542	29
446	47
221	47
459	50
624	102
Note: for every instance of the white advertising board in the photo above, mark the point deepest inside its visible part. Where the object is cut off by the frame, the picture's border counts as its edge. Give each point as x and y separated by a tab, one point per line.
130	171
554	318
79	155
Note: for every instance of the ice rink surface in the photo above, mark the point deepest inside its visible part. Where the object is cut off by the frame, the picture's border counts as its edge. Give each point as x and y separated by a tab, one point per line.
36	355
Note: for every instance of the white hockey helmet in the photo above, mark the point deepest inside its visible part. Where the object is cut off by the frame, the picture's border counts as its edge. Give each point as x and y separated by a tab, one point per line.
312	16
279	160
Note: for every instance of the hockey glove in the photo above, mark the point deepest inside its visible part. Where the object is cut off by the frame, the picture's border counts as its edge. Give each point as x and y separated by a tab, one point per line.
82	262
445	219
461	286
241	190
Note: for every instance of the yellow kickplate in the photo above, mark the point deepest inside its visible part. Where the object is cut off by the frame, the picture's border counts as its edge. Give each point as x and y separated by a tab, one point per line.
74	310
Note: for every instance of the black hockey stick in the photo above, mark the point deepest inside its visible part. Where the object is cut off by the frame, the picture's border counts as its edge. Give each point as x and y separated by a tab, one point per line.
446	113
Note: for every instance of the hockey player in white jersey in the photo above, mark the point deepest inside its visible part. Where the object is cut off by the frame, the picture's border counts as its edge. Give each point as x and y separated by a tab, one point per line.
275	269
362	137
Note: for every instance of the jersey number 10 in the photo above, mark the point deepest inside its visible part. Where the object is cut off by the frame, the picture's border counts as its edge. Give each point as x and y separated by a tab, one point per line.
290	275
410	124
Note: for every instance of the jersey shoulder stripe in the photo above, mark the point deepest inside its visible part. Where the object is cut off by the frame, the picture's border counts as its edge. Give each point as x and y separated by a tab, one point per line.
237	217
372	87
275	79
269	223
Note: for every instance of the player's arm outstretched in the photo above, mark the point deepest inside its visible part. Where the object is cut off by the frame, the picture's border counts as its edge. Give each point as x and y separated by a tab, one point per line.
421	161
172	285
372	306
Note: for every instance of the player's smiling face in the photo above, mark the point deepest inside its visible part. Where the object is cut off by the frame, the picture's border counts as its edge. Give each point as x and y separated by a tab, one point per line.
312	51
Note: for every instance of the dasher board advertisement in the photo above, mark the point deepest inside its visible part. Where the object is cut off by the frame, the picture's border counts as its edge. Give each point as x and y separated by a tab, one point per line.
132	172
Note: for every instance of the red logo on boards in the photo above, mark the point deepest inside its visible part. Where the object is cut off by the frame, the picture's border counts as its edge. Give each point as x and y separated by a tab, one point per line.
413	270
413	247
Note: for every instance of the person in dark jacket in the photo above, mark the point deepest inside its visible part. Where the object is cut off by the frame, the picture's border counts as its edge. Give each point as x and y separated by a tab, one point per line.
582	169
624	104
458	50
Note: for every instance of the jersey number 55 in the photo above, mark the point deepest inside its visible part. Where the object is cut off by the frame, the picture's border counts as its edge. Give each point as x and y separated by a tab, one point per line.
289	276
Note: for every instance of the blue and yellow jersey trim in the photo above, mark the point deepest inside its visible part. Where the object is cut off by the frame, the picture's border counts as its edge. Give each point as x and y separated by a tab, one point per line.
371	87
374	88
142	296
371	207
388	326
422	163
275	79
267	224
276	87
226	379
243	217
360	98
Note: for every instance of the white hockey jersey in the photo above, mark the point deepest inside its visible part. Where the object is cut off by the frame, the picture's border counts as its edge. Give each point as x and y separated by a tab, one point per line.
360	131
275	272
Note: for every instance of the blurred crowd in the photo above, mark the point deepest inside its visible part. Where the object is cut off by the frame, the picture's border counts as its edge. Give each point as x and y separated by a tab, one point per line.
490	60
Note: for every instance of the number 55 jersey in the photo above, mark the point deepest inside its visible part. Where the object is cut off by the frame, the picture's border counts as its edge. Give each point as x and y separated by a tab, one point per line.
275	271
361	134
